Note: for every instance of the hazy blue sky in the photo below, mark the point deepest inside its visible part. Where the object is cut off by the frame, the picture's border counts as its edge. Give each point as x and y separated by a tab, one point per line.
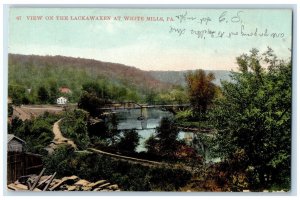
151	45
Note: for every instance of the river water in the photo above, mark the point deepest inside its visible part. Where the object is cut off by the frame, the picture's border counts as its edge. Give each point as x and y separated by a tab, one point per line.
130	119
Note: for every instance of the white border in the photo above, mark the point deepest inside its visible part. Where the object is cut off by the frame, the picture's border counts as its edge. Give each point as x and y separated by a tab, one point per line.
114	3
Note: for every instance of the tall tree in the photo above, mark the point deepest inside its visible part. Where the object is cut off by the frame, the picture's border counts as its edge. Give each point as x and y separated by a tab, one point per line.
53	94
91	103
253	119
129	141
201	89
43	95
165	143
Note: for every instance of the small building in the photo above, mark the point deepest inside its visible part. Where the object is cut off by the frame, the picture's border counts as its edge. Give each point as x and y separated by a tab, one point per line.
9	100
15	158
20	162
15	144
61	101
65	90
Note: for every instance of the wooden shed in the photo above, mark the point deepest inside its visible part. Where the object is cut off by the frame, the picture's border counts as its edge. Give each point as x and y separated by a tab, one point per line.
19	162
15	144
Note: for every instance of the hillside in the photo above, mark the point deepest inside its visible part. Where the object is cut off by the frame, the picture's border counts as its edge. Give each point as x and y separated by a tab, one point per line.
31	75
177	77
112	71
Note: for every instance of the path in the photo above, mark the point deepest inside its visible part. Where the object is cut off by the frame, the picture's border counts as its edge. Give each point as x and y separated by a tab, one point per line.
59	138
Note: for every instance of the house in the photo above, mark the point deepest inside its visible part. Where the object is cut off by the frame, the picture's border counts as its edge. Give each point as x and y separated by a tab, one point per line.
65	90
61	101
15	144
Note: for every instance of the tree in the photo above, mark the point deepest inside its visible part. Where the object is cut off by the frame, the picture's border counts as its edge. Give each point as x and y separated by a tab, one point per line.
53	94
59	161
74	126
112	133
18	94
43	95
151	97
151	144
253	119
129	141
91	103
201	90
165	143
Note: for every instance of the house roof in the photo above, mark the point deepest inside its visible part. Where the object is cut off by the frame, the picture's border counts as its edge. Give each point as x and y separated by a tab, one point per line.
64	90
12	136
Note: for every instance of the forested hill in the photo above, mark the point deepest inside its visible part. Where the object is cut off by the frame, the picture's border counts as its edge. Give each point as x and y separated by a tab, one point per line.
112	71
178	77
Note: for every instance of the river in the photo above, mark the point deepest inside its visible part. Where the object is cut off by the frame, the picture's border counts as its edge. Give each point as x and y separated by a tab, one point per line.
128	119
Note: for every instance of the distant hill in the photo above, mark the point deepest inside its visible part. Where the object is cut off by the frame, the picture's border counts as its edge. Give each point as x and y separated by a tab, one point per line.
177	77
118	73
112	71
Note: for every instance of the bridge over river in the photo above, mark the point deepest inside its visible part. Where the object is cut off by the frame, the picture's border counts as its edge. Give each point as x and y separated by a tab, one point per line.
134	105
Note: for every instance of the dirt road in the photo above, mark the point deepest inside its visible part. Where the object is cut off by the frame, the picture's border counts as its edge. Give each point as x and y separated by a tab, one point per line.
59	139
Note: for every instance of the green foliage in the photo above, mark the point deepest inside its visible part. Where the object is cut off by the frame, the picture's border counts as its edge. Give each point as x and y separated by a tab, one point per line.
59	161
91	103
51	73
18	94
151	144
74	126
53	93
165	142
10	110
129	141
43	95
176	95
254	117
184	115
129	176
151	97
201	90
37	133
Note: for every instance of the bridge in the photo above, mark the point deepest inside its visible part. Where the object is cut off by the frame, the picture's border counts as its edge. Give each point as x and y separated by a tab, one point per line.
133	105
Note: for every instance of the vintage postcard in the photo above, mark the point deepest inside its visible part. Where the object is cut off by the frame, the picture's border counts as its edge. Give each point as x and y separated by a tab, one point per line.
132	99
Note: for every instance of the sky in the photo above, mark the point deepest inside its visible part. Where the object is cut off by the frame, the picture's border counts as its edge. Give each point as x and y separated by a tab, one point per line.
179	39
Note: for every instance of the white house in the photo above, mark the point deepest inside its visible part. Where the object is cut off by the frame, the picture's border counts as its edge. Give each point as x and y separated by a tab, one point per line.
61	101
